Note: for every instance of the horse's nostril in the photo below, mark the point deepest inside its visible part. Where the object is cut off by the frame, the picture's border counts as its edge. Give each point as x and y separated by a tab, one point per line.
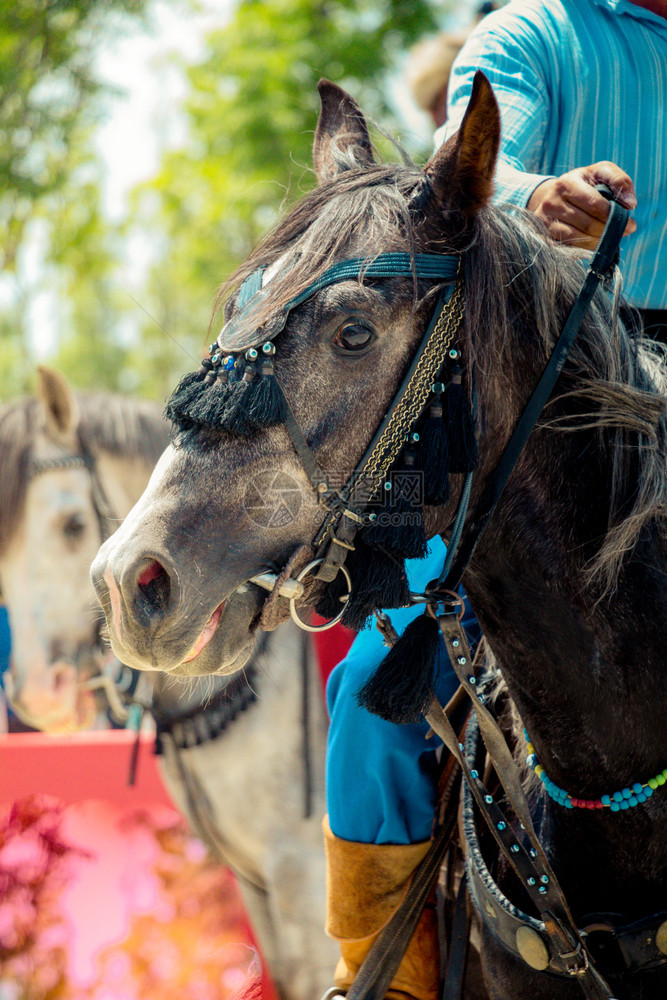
154	588
150	573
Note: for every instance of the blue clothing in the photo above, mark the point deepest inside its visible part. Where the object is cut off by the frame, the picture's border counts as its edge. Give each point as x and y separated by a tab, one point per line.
5	641
382	778
579	81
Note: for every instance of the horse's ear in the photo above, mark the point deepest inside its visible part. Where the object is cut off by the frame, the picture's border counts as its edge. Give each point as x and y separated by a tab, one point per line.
461	172
61	410
342	141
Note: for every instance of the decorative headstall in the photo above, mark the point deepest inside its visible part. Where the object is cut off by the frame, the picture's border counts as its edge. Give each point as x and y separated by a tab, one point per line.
427	433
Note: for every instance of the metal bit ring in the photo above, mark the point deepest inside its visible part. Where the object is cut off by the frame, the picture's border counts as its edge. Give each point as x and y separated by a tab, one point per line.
294	614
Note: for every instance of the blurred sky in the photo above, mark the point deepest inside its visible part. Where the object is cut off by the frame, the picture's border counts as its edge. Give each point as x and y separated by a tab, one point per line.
144	118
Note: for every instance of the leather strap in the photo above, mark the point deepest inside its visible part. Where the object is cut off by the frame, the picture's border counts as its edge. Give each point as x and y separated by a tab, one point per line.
598	270
617	948
530	864
459	946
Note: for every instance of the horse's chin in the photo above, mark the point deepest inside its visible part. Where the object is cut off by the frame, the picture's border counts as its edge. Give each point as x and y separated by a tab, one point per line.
207	662
224	643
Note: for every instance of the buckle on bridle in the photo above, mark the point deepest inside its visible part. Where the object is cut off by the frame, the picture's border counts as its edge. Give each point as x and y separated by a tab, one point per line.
573	960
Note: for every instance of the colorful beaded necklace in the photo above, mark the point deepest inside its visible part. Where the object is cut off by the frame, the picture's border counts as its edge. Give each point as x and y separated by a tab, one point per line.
617	801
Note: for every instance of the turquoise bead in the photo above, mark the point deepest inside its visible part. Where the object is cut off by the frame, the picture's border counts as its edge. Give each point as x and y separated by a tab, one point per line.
626	798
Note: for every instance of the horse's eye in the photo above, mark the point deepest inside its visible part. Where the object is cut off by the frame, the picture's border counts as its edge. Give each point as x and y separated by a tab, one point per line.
353	337
74	526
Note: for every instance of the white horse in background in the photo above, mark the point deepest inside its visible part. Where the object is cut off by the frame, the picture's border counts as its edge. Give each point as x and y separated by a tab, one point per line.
242	756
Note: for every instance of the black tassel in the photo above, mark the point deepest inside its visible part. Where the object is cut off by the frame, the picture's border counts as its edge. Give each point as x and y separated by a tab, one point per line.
433	456
235	418
398	525
329	605
267	406
184	395
378	581
463	455
209	408
401	688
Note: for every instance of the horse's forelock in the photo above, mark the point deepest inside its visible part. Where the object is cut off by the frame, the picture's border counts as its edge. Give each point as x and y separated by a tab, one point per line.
342	218
124	427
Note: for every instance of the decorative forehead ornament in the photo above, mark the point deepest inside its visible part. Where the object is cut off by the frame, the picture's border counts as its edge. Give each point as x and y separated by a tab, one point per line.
238	333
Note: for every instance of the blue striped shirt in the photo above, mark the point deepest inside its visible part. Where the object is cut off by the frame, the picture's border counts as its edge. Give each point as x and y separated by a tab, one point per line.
579	81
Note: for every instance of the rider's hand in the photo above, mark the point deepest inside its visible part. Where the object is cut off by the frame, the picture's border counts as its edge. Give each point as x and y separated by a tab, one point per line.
574	211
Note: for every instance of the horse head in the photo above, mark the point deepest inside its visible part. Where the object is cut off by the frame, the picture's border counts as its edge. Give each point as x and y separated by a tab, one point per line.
346	286
64	480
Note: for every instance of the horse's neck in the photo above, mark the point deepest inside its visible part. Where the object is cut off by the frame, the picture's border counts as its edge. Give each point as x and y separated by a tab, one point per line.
178	696
283	672
587	678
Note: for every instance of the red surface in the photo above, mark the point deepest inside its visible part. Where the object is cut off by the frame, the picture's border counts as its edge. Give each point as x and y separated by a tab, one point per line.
331	647
92	765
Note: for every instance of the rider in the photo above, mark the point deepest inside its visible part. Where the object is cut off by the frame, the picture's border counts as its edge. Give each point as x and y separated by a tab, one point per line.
580	85
5	648
569	95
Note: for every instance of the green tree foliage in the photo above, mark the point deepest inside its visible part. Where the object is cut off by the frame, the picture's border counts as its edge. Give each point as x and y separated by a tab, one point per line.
50	101
47	91
251	114
252	111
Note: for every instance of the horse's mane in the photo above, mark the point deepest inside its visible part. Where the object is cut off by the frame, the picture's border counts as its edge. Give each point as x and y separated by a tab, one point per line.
518	284
124	427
